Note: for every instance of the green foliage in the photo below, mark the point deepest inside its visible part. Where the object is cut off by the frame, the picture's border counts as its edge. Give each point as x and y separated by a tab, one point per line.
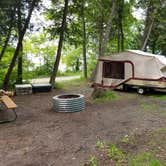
115	153
72	58
107	96
93	161
144	159
125	140
91	63
100	144
4	64
43	51
70	83
43	45
164	114
148	107
160	97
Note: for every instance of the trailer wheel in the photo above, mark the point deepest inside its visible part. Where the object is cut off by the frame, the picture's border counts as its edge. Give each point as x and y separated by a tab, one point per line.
141	91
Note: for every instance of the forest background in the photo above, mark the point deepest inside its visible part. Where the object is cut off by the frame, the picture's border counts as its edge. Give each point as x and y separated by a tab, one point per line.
40	37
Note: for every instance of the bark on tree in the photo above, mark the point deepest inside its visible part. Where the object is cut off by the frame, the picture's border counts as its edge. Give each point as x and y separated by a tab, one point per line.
8	34
19	66
101	28
146	35
120	26
60	44
84	39
148	28
108	28
118	42
16	53
164	50
105	36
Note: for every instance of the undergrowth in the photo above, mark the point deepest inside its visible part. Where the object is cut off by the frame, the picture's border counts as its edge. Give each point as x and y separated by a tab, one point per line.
144	159
107	96
68	84
148	107
121	157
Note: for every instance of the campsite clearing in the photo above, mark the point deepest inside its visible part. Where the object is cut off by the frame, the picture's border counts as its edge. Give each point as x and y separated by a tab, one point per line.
42	137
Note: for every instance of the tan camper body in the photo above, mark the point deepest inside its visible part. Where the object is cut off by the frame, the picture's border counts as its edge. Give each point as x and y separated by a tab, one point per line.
133	68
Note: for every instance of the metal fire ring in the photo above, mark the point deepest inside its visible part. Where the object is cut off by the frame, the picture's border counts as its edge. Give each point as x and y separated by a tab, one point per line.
68	103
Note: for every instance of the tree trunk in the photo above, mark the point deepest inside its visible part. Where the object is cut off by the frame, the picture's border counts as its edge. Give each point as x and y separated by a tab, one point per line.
60	44
164	50
105	37
118	41
154	45
108	28
120	26
148	28
101	33
19	66
146	35
84	39
16	53
8	34
77	67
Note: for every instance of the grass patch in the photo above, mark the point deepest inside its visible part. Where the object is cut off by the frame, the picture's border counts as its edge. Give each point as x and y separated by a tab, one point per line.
144	159
91	162
161	130
122	153
107	96
68	84
159	95
115	153
148	107
125	140
163	114
100	144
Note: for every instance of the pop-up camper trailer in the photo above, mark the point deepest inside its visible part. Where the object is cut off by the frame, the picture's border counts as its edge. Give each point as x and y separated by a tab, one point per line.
132	68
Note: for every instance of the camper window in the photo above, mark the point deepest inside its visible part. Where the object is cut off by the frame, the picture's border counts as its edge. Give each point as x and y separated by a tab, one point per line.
113	70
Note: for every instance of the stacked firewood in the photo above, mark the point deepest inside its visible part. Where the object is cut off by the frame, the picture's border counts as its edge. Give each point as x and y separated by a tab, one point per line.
8	93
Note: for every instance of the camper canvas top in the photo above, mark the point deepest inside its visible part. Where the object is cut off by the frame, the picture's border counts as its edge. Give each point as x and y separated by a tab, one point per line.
133	64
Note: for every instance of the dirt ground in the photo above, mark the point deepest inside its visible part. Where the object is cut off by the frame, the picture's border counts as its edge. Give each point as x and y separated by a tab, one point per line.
42	137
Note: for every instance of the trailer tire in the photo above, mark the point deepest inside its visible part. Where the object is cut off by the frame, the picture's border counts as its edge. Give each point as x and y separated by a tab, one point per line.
141	90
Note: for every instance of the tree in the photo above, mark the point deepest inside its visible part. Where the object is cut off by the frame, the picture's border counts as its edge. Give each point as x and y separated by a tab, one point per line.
60	44
153	11
84	38
20	54
8	35
120	25
157	38
19	44
108	28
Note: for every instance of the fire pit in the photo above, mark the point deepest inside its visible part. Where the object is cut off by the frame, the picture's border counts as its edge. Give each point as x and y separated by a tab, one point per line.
68	103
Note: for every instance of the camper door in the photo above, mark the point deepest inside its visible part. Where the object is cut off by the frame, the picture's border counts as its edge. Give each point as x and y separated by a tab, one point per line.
115	72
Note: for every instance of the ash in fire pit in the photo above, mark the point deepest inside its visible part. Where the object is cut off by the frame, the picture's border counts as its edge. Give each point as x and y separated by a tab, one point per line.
68	103
68	96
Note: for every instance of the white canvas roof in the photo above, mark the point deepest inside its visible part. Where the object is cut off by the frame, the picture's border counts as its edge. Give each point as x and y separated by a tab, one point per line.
146	65
161	58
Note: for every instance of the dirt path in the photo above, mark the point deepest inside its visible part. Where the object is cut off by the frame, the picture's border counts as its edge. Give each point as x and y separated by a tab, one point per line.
41	137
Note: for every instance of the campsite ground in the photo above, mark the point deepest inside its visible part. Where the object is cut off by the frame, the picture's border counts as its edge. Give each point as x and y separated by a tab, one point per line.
40	137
